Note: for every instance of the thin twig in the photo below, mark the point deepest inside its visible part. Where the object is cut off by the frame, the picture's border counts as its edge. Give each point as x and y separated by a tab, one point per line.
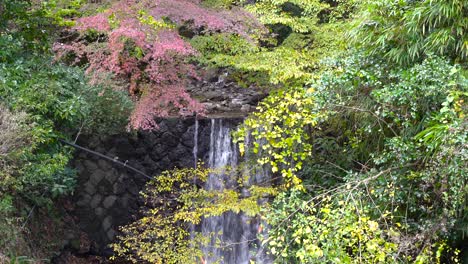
79	133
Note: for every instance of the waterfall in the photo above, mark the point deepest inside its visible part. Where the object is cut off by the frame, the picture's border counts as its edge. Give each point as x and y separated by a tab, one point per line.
233	236
195	144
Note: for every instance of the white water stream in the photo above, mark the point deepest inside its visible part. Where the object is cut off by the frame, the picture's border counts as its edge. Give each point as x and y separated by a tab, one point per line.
233	236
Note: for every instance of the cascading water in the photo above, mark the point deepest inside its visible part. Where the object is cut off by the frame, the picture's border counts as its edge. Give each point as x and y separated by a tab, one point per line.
195	144
195	165
233	236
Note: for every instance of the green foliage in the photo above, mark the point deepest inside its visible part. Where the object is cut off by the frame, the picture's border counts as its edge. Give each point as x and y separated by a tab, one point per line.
300	16
62	11
223	43
373	149
290	63
147	19
41	102
161	235
11	237
282	57
369	143
407	31
58	102
418	115
328	228
26	23
416	92
281	122
175	200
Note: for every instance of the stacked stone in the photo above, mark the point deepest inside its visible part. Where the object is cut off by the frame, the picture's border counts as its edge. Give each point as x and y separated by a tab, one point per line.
107	195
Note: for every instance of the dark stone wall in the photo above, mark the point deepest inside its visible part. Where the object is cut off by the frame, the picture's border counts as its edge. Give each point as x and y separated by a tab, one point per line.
107	195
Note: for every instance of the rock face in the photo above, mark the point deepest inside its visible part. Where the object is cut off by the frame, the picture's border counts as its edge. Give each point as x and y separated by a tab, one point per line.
222	95
107	195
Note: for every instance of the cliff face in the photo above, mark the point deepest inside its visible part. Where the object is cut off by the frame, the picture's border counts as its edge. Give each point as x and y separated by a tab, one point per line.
107	195
222	96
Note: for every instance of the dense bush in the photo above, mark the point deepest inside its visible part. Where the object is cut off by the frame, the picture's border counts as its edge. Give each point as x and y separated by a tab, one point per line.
376	188
405	31
41	102
57	103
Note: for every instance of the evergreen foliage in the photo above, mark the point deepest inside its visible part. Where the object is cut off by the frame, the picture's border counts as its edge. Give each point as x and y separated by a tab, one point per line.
407	31
41	102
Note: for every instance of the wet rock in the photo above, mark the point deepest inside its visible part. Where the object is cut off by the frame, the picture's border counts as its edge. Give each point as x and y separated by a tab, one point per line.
118	188
209	106
96	176
148	163
84	200
111	234
79	167
152	140
104	187
140	151
180	128
107	223
160	150
111	176
109	201
124	201
169	139
124	148
90	165
95	201
163	127
165	163
246	108
89	188
213	96
133	188
179	153
104	165
188	137
99	211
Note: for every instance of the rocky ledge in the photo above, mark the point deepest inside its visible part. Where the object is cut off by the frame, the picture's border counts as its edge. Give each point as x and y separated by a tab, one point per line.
221	95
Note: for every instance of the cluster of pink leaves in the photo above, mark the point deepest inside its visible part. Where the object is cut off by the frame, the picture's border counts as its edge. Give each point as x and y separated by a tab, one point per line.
193	15
98	22
153	61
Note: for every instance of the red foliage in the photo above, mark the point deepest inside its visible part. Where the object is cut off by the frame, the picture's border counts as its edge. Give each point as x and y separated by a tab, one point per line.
195	16
99	22
154	61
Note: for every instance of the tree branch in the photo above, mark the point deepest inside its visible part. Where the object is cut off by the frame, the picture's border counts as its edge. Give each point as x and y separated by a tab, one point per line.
125	165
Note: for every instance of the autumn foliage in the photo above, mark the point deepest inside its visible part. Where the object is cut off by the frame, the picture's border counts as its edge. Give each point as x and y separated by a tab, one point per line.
139	42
